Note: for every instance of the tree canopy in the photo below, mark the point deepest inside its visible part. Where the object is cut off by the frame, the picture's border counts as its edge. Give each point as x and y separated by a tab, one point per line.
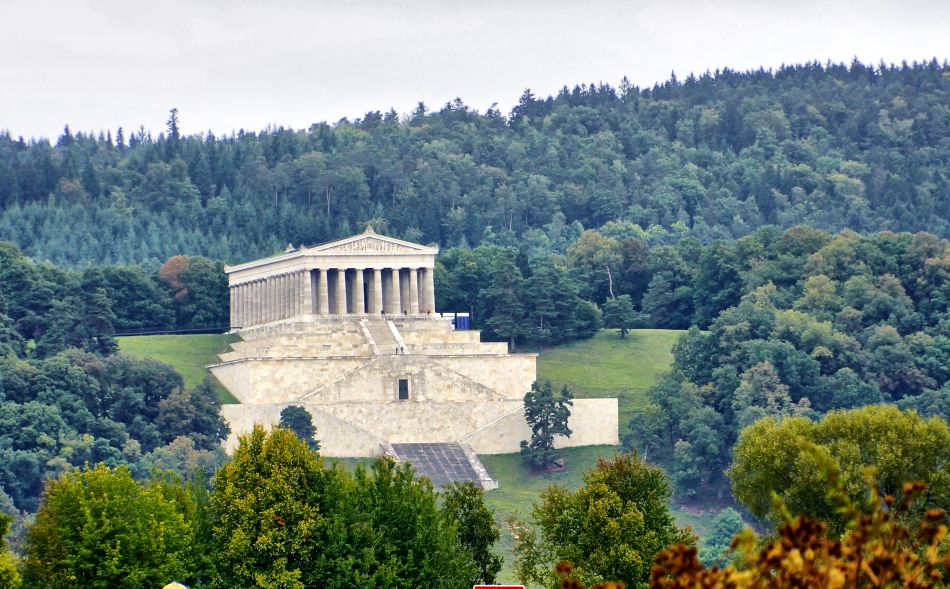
610	529
279	517
900	446
713	156
100	528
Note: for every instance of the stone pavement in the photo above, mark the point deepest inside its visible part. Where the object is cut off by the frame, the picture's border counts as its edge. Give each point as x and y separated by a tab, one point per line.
445	463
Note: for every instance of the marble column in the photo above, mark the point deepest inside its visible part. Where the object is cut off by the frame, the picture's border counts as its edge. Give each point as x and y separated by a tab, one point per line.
246	318
288	305
323	294
232	306
377	290
293	308
245	305
298	294
238	301
413	291
236	307
295	294
306	293
252	292
288	296
266	299
241	301
341	291
395	305
248	304
359	302
291	311
423	297
262	295
260	301
274	298
284	298
430	289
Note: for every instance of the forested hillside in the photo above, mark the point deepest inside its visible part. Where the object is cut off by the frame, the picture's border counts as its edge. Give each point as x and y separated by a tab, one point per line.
715	156
67	398
800	323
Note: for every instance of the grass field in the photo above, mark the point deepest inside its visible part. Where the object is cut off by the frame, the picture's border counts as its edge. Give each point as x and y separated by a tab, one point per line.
188	354
607	366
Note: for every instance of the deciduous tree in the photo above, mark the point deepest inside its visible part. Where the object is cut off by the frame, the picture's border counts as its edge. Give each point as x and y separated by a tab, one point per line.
610	529
476	527
100	528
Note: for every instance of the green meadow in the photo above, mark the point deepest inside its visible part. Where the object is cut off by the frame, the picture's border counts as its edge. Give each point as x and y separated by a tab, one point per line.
188	354
607	366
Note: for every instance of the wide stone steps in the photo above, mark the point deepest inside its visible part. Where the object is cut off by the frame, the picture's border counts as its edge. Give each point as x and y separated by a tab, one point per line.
445	463
382	335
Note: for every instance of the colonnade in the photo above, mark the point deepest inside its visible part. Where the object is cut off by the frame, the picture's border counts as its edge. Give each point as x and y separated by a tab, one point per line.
333	291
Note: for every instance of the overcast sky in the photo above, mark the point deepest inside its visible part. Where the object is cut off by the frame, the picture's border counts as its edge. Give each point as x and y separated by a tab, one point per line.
237	64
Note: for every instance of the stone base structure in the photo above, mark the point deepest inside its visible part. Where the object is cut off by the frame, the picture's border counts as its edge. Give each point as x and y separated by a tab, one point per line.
372	377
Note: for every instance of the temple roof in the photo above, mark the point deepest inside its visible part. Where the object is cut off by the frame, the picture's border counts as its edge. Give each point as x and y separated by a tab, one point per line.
368	243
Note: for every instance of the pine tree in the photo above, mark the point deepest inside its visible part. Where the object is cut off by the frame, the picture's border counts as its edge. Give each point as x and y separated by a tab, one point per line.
547	416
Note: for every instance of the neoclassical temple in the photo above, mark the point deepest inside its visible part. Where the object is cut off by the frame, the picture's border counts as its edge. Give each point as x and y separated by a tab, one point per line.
349	330
364	274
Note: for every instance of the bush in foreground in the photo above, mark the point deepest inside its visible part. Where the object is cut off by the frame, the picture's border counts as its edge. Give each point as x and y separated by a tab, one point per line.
100	528
611	528
279	517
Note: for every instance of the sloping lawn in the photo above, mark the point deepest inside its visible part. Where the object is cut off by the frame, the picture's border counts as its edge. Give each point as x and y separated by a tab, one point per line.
188	354
607	366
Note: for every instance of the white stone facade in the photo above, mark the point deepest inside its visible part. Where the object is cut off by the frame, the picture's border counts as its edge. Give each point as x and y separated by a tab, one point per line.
331	346
364	274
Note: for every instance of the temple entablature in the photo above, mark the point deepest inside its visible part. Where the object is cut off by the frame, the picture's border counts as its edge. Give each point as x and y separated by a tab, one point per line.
367	274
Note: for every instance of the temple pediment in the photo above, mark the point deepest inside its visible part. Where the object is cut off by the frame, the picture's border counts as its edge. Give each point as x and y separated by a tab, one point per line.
371	243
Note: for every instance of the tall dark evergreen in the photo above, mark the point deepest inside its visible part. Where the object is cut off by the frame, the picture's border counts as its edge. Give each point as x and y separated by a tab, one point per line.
547	416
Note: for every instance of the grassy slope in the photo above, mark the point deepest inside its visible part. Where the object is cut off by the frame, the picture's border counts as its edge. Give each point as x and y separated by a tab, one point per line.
188	354
607	366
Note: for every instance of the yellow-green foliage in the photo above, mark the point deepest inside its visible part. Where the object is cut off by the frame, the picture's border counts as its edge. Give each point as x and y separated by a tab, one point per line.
900	446
610	529
101	529
9	578
886	544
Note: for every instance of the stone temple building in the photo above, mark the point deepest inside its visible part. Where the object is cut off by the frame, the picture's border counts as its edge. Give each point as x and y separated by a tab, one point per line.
349	330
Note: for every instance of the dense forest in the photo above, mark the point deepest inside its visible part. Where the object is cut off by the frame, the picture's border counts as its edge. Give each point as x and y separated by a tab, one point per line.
66	396
713	156
799	323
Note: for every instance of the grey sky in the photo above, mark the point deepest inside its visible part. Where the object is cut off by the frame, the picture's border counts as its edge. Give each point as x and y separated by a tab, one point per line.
236	64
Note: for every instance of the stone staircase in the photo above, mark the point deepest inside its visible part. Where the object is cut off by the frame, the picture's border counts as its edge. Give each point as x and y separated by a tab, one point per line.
382	334
445	463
